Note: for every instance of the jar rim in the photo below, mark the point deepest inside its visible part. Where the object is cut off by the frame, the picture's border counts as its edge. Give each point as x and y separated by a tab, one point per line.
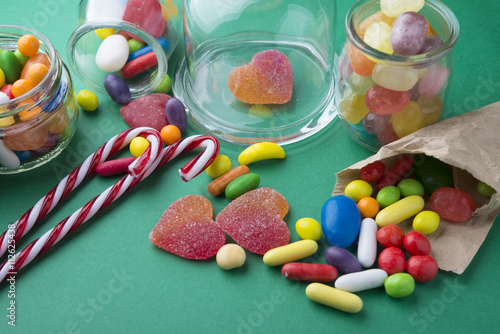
432	56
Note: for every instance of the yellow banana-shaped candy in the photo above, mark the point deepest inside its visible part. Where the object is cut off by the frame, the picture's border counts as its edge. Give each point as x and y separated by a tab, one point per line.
261	151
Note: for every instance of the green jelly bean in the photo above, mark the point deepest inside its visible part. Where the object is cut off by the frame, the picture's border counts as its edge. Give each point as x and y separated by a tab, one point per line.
432	173
399	285
241	185
485	190
411	187
134	45
21	58
388	195
165	86
10	66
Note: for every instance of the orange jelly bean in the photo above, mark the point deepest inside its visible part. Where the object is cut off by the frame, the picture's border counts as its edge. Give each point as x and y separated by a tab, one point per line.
22	86
360	64
28	45
37	72
39	58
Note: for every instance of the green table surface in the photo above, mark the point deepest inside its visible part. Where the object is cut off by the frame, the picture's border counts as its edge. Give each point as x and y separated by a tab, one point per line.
106	277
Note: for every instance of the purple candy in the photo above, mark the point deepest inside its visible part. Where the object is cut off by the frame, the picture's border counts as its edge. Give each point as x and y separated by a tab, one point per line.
176	113
408	33
431	43
343	260
375	124
414	95
433	80
117	89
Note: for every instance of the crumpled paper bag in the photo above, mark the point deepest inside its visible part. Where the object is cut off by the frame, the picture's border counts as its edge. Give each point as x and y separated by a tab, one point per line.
470	143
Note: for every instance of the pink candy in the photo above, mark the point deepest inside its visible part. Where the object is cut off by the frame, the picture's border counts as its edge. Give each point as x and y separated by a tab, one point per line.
114	167
147	15
147	111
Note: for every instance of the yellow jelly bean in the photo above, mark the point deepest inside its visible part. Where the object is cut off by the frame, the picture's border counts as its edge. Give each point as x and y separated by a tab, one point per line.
393	77
400	211
335	298
87	100
103	33
261	111
7	121
378	36
358	189
2	78
138	145
308	228
290	253
220	165
426	222
261	151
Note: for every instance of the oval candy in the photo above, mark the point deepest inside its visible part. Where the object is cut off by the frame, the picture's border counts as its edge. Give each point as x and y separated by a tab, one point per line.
340	220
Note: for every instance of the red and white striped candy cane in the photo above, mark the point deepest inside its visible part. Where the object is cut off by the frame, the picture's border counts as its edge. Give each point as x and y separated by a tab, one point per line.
187	172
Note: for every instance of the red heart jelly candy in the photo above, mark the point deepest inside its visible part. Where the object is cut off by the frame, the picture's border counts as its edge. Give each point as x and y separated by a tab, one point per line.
147	110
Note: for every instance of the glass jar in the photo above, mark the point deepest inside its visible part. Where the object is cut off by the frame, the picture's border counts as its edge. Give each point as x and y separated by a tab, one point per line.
222	35
36	126
382	97
153	23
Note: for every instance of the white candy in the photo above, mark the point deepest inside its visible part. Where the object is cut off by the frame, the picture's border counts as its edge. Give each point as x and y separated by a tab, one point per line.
361	280
367	244
393	77
4	98
8	158
112	54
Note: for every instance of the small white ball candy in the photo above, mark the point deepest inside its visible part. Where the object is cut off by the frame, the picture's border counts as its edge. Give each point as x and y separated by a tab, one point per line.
112	54
231	256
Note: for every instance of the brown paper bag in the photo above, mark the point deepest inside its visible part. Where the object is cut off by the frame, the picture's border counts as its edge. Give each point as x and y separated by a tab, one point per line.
470	143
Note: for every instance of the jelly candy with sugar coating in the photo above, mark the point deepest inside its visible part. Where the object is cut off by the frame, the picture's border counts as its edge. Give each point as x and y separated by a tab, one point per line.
187	229
377	17
255	220
394	8
147	14
267	79
408	33
378	36
148	110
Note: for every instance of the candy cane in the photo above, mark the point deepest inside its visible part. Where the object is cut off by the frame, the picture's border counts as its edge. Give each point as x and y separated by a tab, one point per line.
71	223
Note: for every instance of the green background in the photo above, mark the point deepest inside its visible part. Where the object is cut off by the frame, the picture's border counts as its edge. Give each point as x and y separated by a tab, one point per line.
108	277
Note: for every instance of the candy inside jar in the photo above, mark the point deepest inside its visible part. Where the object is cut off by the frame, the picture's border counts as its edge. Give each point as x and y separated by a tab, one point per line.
395	68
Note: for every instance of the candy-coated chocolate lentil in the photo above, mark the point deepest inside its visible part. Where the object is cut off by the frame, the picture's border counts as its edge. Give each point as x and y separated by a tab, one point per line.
112	54
485	190
104	33
139	65
117	89
368	207
452	204
358	189
165	86
335	298
409	187
392	260
432	173
311	272
241	185
176	113
399	285
388	195
170	134
401	210
218	186
396	172
231	256
367	244
426	222
87	100
340	220
372	172
343	260
10	66
138	145
261	151
423	268
416	243
361	280
308	228
220	165
28	45
290	253
390	236
113	167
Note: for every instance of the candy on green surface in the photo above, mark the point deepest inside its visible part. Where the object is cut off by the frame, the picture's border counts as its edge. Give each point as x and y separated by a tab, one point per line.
87	100
308	228
241	185
399	285
220	165
358	189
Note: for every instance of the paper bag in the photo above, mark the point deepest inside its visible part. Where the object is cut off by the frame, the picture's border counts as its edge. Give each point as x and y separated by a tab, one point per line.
470	143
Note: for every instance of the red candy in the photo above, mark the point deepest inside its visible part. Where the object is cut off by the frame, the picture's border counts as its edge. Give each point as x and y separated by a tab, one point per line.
113	167
423	268
187	229
390	236
139	65
392	260
452	204
147	15
396	172
147	110
7	89
382	101
417	243
311	272
372	172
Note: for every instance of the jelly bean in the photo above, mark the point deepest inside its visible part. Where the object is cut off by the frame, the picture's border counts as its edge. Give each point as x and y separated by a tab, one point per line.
39	58
261	151
368	207
353	108
409	187
37	73
426	222
8	158
452	204
382	101
147	14
138	145
241	185
431	43
358	189
408	121
335	298
431	108
343	260
7	121
423	268
432	173
170	134
10	66
165	86
433	80
367	244
372	172
359	84
2	78
260	111
147	49
112	53
21	58
394	8
390	236
4	98
340	220
104	33
399	285
28	45
117	89
218	186
360	64
485	190
139	65
361	280
378	36
87	100
408	33
114	167
176	113
400	211
375	124
416	243
396	172
296	271
231	256
23	155
377	17
134	45
393	77
388	195
220	165
308	228
392	260
289	253
21	87
30	112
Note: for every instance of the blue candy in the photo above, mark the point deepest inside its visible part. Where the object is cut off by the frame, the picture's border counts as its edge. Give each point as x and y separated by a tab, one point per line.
147	49
340	220
57	100
117	89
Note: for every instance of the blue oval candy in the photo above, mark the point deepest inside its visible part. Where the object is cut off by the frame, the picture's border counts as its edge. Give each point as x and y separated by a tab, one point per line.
340	220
